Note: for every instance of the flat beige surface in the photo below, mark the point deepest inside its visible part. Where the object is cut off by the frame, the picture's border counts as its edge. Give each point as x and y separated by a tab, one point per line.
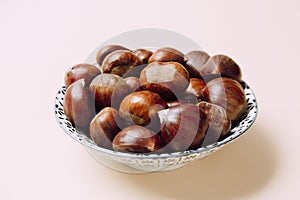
40	40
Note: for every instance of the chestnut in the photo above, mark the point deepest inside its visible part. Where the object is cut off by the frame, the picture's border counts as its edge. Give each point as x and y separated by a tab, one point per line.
218	122
183	127
120	62
105	126
168	79
195	63
133	82
77	105
227	93
224	65
143	55
104	51
196	86
227	67
137	139
79	71
167	54
141	108
186	97
108	90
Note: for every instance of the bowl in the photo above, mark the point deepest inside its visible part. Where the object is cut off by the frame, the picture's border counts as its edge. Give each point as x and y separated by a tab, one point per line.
142	163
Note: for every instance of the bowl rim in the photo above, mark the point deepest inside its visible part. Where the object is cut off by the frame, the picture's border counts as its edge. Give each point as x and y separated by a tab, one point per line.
80	137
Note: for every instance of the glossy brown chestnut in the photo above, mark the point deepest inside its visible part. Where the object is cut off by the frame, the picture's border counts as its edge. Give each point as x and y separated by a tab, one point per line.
227	67
120	62
195	62
143	55
218	122
227	93
104	51
141	108
108	90
79	71
196	86
167	54
183	127
224	65
77	105
168	79
133	82
105	126
137	139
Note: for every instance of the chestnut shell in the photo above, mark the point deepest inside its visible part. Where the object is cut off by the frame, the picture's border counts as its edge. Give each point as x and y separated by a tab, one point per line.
141	108
120	62
195	63
78	105
143	55
108	90
104	51
79	71
105	126
137	139
227	93
167	54
183	127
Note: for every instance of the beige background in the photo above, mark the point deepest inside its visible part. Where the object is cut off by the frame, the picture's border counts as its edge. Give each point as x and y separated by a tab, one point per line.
40	40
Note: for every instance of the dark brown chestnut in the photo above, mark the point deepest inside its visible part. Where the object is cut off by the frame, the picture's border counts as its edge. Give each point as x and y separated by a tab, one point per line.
224	65
183	127
196	86
227	93
141	108
120	62
105	126
77	105
79	71
195	62
167	54
137	139
227	67
218	122
104	51
133	82
143	55
108	90
168	79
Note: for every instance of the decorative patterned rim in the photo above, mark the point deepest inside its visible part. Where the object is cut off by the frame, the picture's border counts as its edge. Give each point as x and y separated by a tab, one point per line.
246	122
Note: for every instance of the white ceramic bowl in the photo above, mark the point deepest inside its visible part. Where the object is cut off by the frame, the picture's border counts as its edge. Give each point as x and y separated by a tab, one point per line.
141	163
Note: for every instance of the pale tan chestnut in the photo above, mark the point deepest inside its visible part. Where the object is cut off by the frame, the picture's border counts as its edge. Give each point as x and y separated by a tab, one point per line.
168	79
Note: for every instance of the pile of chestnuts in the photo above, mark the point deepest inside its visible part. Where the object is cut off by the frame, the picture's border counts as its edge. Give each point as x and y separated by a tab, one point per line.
161	101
